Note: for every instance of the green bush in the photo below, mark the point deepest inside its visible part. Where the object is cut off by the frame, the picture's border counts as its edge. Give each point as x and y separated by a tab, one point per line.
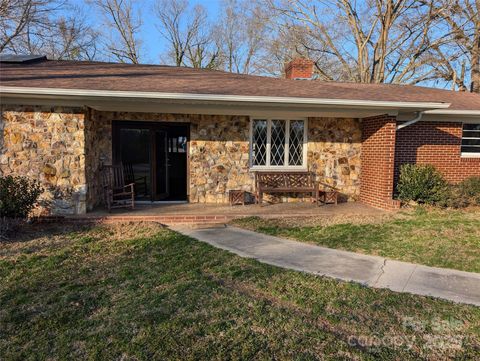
422	184
18	196
470	189
455	198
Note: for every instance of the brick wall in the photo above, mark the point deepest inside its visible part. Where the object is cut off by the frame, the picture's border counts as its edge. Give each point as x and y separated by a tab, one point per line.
377	161
436	143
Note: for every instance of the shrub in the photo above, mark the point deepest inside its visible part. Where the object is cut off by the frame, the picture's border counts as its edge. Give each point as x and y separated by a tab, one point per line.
422	184
470	189
454	198
9	227
18	196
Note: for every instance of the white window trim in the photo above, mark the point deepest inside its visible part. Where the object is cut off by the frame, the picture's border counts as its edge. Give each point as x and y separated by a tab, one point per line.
286	167
468	154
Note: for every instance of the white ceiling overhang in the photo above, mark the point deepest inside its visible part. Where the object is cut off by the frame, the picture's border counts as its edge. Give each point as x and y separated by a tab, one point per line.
185	103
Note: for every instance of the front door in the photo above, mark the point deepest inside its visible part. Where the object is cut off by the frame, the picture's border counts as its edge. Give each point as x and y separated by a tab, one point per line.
154	157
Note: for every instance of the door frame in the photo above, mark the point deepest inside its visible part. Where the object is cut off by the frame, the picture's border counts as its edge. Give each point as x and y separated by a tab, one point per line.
152	126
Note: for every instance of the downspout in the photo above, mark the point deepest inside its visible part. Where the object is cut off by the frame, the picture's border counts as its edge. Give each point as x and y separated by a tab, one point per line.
410	122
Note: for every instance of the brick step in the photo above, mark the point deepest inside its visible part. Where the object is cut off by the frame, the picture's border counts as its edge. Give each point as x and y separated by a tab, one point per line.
167	220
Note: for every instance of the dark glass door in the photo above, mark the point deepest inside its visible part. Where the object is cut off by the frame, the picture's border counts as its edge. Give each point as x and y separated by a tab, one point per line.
154	157
177	164
161	169
135	155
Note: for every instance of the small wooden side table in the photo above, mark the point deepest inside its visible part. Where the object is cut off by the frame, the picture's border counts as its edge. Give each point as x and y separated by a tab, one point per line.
236	196
329	197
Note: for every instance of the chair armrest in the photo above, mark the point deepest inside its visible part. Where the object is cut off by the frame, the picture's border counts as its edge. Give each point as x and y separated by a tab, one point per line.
131	186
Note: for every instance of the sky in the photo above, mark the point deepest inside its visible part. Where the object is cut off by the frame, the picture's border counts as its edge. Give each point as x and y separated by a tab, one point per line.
153	43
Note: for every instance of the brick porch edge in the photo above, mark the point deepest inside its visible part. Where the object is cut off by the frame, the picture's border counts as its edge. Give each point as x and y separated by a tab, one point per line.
164	219
167	220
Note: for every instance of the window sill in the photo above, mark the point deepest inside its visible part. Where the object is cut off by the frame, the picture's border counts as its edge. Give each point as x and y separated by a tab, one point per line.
278	169
470	155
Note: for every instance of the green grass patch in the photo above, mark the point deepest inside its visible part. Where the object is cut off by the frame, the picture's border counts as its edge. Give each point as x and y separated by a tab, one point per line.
142	292
449	239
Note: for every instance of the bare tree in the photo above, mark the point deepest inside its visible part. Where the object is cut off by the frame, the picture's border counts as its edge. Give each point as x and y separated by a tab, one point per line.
71	38
21	19
241	35
188	33
374	42
457	58
52	28
124	23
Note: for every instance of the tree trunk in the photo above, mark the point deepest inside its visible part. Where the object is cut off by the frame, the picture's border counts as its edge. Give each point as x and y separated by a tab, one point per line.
475	65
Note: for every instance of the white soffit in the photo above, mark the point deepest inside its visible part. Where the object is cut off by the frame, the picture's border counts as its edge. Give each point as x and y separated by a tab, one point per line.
99	97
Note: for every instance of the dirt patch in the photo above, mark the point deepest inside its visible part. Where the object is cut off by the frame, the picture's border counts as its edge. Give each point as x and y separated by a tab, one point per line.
41	238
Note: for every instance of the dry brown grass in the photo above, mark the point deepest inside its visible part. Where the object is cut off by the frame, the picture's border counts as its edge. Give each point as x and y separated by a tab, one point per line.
43	239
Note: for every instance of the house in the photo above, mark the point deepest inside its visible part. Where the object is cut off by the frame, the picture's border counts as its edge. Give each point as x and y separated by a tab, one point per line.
192	134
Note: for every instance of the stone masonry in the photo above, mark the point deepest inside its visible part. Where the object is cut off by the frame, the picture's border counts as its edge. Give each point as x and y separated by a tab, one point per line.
334	149
47	144
219	152
64	148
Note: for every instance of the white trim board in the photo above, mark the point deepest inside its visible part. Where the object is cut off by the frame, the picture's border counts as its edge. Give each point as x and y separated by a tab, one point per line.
86	94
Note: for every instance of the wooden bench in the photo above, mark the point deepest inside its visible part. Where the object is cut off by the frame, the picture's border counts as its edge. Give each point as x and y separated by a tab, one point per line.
286	182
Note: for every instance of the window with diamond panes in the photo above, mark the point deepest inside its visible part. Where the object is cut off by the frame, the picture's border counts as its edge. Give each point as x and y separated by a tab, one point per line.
278	143
259	142
295	142
471	140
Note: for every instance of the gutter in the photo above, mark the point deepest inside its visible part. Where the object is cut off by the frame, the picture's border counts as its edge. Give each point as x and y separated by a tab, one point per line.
411	122
453	112
84	94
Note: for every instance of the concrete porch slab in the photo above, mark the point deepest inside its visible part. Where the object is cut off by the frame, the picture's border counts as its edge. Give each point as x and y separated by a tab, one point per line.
196	213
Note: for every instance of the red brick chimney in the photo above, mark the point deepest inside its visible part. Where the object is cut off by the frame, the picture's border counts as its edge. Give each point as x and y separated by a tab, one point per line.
299	68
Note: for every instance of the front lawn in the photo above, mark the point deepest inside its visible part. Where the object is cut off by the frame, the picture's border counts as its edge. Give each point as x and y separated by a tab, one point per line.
142	292
449	239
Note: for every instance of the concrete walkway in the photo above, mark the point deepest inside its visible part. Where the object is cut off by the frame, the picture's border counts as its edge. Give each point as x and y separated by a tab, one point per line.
457	286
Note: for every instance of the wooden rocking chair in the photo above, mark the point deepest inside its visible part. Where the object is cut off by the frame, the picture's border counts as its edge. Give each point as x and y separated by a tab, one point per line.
131	178
117	194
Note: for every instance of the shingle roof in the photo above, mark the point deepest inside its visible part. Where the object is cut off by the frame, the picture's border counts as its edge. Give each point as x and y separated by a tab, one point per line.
159	78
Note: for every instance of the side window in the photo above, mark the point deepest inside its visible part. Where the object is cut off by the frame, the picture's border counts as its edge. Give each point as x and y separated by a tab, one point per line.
471	140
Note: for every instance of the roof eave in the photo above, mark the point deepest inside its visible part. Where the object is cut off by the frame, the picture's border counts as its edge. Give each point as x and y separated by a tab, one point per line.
85	95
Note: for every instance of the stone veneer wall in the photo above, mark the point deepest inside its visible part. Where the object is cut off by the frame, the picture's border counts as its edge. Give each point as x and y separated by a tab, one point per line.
219	152
65	147
47	144
334	148
98	151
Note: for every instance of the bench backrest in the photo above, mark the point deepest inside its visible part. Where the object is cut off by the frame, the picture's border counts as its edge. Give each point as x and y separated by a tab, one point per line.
285	179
